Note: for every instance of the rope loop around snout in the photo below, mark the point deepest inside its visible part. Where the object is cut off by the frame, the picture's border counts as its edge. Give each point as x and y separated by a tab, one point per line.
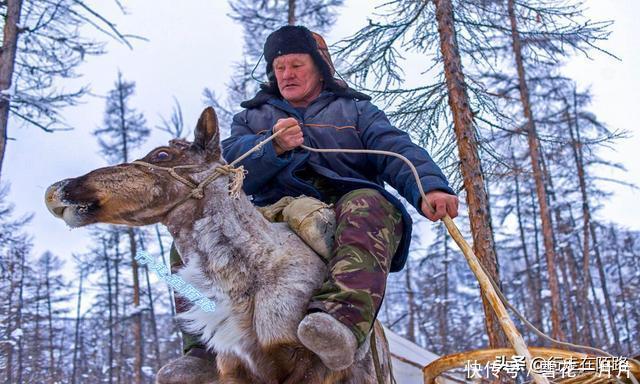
197	190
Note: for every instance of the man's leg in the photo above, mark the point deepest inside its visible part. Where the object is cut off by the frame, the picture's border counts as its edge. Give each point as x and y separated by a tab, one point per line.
197	365
368	231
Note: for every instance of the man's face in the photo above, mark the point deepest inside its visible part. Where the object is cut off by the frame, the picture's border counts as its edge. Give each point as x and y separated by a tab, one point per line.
299	81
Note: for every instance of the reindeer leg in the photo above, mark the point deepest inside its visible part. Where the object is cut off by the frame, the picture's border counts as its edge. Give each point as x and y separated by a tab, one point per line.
233	371
307	368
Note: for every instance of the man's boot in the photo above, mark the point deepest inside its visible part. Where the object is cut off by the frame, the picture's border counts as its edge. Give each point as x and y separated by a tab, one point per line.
196	367
328	338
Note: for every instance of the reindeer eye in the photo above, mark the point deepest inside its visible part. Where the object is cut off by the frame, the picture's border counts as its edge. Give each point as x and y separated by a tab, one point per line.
162	155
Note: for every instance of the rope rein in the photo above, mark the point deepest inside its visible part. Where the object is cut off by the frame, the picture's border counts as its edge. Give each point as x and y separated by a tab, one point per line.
492	292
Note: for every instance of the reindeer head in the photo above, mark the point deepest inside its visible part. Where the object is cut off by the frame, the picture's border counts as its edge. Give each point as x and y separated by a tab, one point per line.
134	194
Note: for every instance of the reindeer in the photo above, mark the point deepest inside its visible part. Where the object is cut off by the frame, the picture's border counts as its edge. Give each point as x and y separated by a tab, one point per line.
261	275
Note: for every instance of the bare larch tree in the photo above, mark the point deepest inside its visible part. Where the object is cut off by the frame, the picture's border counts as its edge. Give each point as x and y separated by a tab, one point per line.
123	130
41	45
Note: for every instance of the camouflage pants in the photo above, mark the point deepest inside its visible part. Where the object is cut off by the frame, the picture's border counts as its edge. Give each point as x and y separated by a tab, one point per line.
368	231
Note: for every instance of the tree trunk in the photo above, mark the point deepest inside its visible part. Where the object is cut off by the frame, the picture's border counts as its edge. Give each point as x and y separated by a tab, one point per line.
164	262
622	289
9	319
82	355
534	150
583	297
62	346
117	328
291	13
476	194
124	374
387	317
536	236
137	318
110	304
152	312
154	327
52	366
604	338
570	299
586	214
77	330
123	124
591	331
605	289
411	331
444	330
586	274
23	255
7	62
586	334
534	289
586	218
36	345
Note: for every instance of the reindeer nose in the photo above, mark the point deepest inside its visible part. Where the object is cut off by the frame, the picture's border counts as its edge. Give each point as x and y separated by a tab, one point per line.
53	200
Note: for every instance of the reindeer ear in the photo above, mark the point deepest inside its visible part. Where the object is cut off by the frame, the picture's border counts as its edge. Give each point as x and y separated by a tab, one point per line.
207	135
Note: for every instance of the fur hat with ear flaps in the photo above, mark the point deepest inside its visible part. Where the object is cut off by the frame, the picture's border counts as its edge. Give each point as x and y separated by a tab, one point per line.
298	39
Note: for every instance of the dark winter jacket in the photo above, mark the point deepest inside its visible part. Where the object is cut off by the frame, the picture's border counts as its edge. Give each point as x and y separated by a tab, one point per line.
331	121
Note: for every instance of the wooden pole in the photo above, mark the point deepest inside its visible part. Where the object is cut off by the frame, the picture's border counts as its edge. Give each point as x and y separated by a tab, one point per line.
510	330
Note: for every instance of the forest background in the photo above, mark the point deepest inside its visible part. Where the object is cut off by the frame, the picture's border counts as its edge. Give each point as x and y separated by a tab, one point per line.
164	63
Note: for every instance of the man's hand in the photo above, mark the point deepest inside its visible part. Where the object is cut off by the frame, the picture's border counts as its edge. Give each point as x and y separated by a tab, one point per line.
289	139
442	203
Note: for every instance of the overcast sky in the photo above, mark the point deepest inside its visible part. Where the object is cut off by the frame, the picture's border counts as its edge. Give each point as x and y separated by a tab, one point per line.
192	44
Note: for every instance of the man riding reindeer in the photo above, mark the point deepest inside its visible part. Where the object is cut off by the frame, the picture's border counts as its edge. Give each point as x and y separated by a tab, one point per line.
373	229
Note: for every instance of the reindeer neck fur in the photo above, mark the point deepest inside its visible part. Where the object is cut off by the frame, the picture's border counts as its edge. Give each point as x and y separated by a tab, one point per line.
228	236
